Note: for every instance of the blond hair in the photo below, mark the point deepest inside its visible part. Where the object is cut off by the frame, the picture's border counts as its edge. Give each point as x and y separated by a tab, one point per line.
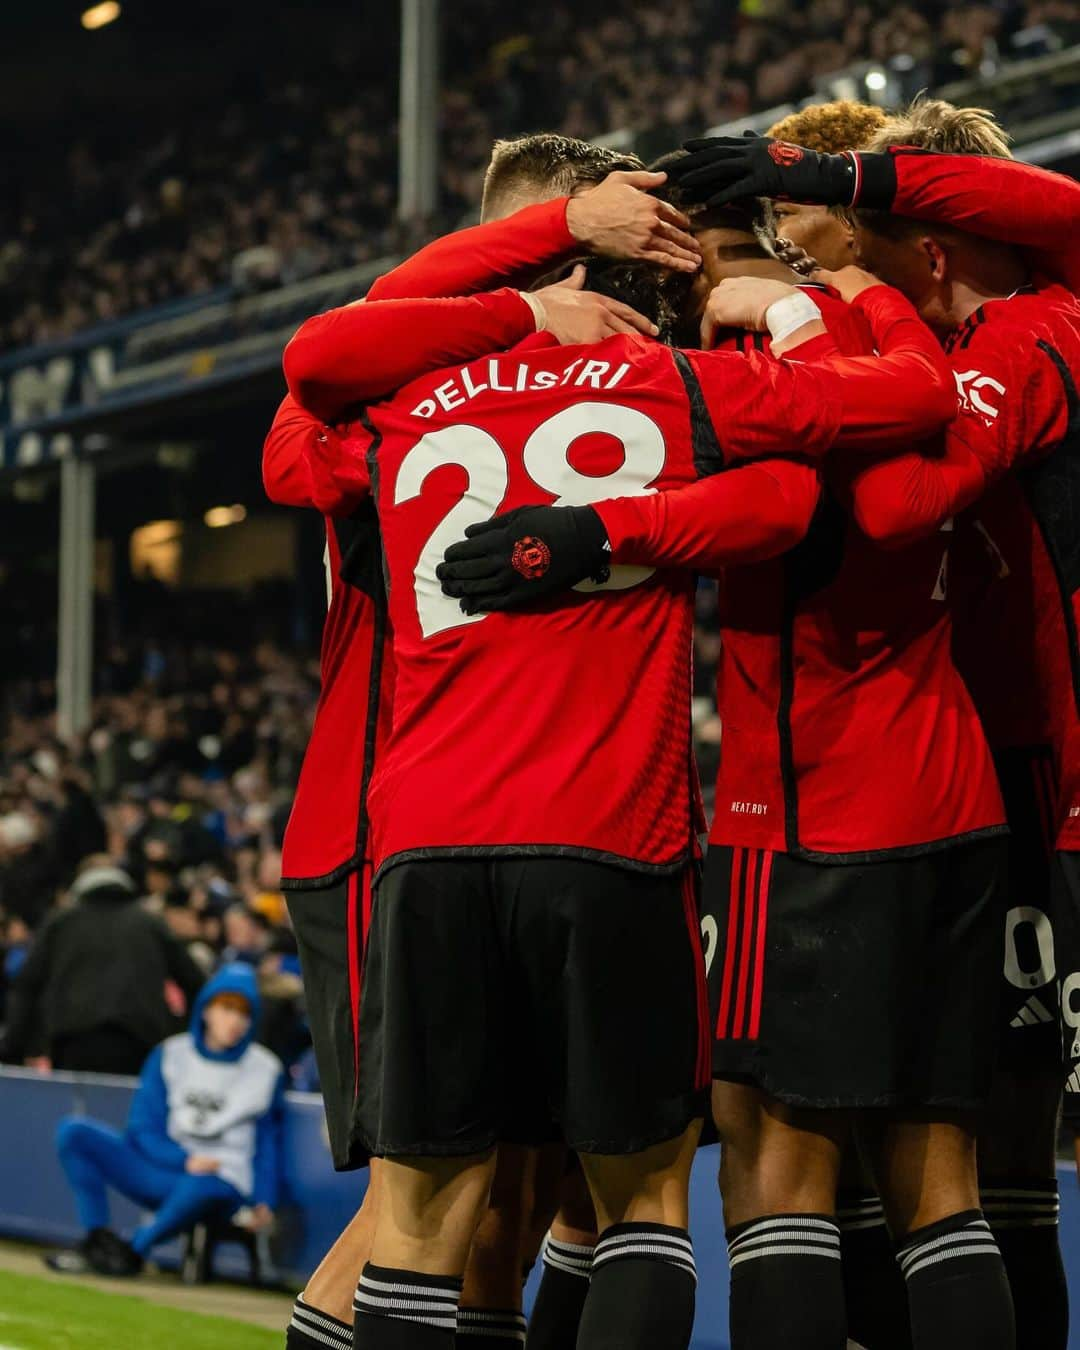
831	127
558	164
933	124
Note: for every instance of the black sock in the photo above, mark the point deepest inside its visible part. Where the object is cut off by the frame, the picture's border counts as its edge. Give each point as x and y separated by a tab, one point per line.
787	1286
874	1291
1023	1217
405	1310
556	1314
490	1329
641	1295
958	1292
311	1329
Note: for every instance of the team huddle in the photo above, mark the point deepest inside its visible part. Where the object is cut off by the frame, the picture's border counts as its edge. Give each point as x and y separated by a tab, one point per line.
830	371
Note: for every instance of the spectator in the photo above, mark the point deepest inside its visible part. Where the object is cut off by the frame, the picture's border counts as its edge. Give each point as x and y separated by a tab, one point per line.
300	179
203	1137
247	935
91	995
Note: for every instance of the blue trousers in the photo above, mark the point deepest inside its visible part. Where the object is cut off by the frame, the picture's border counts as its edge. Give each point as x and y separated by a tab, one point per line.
94	1156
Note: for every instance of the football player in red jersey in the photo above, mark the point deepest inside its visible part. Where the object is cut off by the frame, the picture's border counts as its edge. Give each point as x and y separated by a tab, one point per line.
1018	1130
817	663
1013	334
546	783
326	877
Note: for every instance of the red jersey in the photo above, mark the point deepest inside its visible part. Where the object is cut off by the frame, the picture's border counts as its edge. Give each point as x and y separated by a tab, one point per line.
565	730
1012	451
1020	204
1013	361
327	831
847	731
326	836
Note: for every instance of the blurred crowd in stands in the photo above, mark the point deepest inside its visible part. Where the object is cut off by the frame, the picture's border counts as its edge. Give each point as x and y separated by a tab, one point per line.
184	780
299	176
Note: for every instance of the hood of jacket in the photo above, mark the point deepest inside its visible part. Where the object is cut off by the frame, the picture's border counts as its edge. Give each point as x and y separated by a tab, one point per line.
235	978
103	883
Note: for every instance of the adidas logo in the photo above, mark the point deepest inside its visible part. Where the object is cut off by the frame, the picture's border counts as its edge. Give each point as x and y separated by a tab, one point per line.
1032	1013
1073	1082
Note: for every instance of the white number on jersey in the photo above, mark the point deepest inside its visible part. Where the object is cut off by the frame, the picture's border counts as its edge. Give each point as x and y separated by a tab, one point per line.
546	460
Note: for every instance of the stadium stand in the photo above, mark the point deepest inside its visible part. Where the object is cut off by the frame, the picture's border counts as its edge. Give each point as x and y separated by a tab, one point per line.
294	176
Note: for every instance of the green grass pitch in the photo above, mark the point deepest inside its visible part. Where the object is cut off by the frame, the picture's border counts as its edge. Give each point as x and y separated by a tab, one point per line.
47	1315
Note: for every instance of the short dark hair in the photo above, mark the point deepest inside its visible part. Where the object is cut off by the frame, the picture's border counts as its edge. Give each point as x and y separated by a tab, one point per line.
561	163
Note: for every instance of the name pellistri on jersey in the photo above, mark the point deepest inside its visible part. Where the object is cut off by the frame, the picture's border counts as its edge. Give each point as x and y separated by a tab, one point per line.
509	377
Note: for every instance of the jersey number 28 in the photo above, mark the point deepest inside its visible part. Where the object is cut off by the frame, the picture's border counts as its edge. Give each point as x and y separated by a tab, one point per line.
546	461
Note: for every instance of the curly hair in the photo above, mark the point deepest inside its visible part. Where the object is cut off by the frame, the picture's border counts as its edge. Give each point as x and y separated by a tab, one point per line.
831	127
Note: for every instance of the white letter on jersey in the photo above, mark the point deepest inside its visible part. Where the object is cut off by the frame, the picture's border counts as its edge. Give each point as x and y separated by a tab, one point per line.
970	384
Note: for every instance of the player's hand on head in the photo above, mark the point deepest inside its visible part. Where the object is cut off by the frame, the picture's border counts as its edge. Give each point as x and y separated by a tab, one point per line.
849	281
741	302
620	219
573	315
722	169
524	556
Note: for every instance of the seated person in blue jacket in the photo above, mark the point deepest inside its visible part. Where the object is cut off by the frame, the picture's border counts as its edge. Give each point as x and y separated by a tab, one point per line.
203	1138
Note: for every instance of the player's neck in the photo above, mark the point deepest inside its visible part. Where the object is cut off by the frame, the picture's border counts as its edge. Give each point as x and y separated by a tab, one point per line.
995	274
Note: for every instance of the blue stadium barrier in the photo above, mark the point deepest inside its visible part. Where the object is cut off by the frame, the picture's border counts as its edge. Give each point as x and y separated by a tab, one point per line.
36	1205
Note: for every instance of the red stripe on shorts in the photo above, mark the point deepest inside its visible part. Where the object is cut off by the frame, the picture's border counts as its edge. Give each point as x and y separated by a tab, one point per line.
738	864
759	955
750	893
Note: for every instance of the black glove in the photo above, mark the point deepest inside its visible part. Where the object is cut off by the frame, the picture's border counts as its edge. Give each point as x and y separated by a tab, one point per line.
524	556
722	169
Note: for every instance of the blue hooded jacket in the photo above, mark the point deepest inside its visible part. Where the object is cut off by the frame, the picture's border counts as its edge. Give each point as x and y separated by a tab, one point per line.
226	1104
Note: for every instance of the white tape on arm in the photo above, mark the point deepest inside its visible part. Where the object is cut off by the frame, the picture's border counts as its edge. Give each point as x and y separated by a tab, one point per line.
537	306
793	311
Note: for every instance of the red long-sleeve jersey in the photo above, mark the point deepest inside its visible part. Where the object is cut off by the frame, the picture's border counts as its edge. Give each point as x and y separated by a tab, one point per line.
1001	199
508	252
348	356
565	730
1013	453
847	731
326	836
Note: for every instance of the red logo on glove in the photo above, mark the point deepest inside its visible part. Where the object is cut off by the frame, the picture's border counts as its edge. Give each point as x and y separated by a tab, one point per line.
785	154
531	557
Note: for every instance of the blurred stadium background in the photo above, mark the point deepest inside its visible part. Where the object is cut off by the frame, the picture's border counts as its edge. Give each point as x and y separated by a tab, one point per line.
184	184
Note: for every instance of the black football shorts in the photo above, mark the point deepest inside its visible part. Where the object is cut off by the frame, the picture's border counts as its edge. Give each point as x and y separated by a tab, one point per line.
856	985
1030	1044
330	923
1065	892
502	996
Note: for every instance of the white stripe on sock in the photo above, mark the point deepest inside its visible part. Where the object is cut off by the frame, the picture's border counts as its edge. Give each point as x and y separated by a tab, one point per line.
581	1270
786	1249
410	1290
978	1230
320	1329
978	1249
805	1227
